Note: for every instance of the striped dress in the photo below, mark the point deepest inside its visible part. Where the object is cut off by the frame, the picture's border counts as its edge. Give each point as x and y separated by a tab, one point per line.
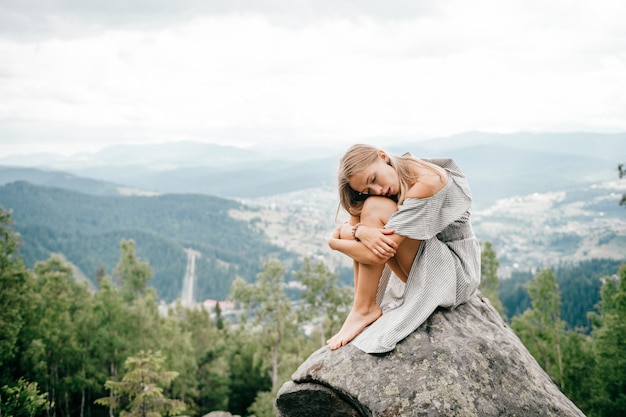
446	269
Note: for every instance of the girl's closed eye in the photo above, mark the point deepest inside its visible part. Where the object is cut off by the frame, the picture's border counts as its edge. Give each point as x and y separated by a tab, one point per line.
372	181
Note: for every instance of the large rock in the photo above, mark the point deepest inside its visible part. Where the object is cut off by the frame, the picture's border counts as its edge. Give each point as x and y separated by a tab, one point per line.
462	362
219	414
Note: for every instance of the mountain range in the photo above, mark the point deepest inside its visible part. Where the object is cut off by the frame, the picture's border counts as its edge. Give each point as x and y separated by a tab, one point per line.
541	199
498	165
87	230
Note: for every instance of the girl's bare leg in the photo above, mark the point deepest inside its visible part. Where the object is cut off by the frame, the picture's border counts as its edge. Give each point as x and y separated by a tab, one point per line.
364	308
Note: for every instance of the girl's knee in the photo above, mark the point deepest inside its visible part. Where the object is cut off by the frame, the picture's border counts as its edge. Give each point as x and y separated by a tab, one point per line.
377	209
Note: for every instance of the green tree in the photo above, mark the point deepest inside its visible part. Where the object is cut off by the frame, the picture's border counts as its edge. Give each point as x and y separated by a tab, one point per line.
489	280
219	320
176	344
273	318
211	358
146	322
610	340
112	334
89	374
140	392
100	273
214	378
263	405
22	400
55	352
579	370
579	285
621	172
131	273
323	300
541	328
271	309
248	372
15	291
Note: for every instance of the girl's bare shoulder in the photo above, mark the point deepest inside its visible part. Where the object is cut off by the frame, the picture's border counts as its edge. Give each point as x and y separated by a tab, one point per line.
431	179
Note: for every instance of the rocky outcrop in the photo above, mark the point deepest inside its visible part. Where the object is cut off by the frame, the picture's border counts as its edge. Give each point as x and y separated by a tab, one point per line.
219	414
462	362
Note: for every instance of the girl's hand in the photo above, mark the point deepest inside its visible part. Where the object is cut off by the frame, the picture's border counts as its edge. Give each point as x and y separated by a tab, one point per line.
377	240
345	230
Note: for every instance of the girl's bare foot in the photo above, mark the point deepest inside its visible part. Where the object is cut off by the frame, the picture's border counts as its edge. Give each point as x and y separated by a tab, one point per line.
354	324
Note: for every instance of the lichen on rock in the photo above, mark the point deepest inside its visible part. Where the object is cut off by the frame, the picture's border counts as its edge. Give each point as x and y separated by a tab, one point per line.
461	362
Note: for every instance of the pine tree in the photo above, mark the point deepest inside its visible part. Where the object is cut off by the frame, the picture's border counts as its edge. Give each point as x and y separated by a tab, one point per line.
271	309
112	333
56	351
219	321
211	351
140	392
15	293
176	343
248	370
323	299
579	370
610	338
22	399
131	273
489	280
621	172
540	328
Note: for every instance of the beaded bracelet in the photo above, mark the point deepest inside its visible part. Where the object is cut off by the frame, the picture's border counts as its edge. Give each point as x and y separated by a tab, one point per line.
356	226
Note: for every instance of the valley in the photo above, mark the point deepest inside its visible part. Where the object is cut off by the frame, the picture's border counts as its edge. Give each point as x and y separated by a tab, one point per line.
528	232
540	199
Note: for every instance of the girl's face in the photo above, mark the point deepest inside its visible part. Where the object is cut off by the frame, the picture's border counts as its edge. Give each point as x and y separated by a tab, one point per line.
379	178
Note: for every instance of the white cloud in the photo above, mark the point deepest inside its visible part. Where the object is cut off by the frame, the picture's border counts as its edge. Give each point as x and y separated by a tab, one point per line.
344	76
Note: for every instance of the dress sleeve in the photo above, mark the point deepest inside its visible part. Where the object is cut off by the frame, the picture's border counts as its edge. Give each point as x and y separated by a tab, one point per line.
424	218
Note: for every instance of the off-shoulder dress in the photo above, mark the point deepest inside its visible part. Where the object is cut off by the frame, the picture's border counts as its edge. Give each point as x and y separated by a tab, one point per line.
445	271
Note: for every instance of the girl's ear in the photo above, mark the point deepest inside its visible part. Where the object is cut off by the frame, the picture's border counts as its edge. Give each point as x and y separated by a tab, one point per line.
383	155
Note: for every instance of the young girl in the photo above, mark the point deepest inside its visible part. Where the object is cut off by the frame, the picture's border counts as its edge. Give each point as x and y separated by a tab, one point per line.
409	218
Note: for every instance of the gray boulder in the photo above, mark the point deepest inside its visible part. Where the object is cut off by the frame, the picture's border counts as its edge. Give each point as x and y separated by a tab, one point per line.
461	362
219	414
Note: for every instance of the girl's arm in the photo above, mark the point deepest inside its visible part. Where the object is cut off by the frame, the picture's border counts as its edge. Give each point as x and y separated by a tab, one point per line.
355	250
376	245
378	240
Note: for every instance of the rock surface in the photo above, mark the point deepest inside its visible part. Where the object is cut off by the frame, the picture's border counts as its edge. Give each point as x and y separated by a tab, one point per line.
462	362
219	414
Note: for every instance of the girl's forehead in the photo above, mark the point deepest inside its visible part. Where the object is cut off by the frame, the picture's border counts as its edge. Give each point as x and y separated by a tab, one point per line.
360	178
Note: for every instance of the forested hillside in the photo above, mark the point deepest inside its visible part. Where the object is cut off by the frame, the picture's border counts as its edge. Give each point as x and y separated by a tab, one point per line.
71	341
67	351
88	229
579	286
60	179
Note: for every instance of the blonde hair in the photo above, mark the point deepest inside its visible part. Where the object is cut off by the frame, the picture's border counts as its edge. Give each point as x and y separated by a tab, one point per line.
357	158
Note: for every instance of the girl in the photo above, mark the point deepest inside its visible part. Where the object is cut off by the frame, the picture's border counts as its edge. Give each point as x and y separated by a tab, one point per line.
409	218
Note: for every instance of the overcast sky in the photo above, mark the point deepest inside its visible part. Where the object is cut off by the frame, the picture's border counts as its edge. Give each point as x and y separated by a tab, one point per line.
77	75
